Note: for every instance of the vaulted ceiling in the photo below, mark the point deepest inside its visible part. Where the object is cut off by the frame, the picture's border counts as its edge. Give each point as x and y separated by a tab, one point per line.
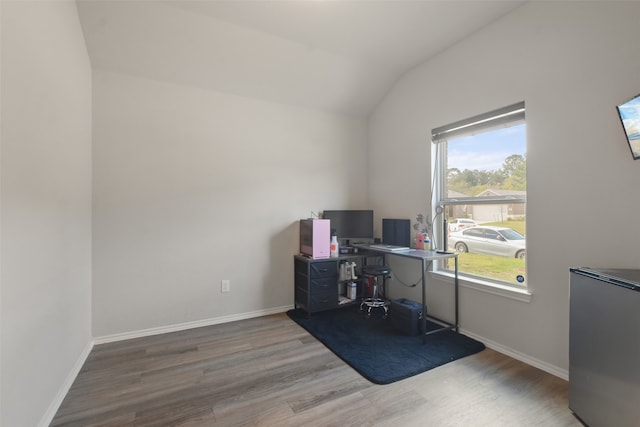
334	55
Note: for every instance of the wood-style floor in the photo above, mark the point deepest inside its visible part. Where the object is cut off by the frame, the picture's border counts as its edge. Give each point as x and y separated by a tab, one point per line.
268	371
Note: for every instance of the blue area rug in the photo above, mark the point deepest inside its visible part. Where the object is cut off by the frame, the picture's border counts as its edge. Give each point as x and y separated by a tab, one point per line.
378	351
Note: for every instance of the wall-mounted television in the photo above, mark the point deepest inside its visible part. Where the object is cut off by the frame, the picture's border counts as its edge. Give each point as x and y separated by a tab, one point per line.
629	113
348	225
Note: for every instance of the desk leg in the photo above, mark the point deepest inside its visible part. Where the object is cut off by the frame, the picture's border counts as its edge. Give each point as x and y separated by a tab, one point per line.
456	294
423	329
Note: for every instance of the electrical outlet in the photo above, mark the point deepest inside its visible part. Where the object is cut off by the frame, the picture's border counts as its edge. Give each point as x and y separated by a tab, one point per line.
225	286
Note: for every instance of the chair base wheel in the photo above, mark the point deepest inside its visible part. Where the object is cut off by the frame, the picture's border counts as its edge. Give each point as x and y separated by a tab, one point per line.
371	303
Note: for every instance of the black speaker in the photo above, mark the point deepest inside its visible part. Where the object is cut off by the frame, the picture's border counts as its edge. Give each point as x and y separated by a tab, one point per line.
396	232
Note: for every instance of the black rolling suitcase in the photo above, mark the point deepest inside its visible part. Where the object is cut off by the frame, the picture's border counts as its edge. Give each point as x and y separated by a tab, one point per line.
405	316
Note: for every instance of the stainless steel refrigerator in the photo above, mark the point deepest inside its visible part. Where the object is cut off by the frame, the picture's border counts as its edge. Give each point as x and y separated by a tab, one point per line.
604	346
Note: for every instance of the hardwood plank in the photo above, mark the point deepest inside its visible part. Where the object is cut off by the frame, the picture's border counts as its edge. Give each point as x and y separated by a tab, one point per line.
269	371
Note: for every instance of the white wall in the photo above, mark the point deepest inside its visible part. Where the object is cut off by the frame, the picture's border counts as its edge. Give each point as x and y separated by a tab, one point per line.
572	63
46	207
194	186
191	186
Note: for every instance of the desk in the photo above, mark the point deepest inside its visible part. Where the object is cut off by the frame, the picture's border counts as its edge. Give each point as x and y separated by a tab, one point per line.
424	256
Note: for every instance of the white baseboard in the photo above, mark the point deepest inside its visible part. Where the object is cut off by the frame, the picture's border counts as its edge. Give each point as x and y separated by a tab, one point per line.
547	367
189	325
64	389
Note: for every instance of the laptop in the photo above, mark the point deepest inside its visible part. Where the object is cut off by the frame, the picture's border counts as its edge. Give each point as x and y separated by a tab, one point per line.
391	248
396	235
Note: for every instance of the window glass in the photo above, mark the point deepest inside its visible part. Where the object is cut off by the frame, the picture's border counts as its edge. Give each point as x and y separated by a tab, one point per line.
473	232
491	234
480	176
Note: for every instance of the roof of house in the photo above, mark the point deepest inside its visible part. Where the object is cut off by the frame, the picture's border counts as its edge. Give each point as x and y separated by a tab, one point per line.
501	192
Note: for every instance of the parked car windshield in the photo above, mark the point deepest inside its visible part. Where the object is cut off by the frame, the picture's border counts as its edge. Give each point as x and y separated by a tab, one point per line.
510	234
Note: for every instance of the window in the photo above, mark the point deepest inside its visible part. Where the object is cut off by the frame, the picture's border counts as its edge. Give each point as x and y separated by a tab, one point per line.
480	188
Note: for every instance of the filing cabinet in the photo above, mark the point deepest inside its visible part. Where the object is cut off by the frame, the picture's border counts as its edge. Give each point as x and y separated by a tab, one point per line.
316	284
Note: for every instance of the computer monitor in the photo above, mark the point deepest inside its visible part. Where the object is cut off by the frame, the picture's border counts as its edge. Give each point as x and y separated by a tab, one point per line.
351	224
396	232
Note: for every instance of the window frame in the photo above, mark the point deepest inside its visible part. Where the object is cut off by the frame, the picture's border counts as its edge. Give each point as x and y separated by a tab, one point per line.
500	118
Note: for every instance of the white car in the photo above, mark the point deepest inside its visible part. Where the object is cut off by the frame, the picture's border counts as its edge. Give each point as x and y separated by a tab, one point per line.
461	223
489	240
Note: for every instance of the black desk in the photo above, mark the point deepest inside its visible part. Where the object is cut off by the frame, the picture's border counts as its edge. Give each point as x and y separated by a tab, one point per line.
425	256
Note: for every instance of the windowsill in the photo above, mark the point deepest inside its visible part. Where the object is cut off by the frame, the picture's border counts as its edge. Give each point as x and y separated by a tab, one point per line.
523	295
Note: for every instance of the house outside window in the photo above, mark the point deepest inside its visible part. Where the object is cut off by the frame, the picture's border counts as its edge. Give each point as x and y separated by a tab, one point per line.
480	189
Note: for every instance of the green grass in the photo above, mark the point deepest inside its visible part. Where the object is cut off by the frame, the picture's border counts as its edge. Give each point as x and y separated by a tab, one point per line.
495	267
